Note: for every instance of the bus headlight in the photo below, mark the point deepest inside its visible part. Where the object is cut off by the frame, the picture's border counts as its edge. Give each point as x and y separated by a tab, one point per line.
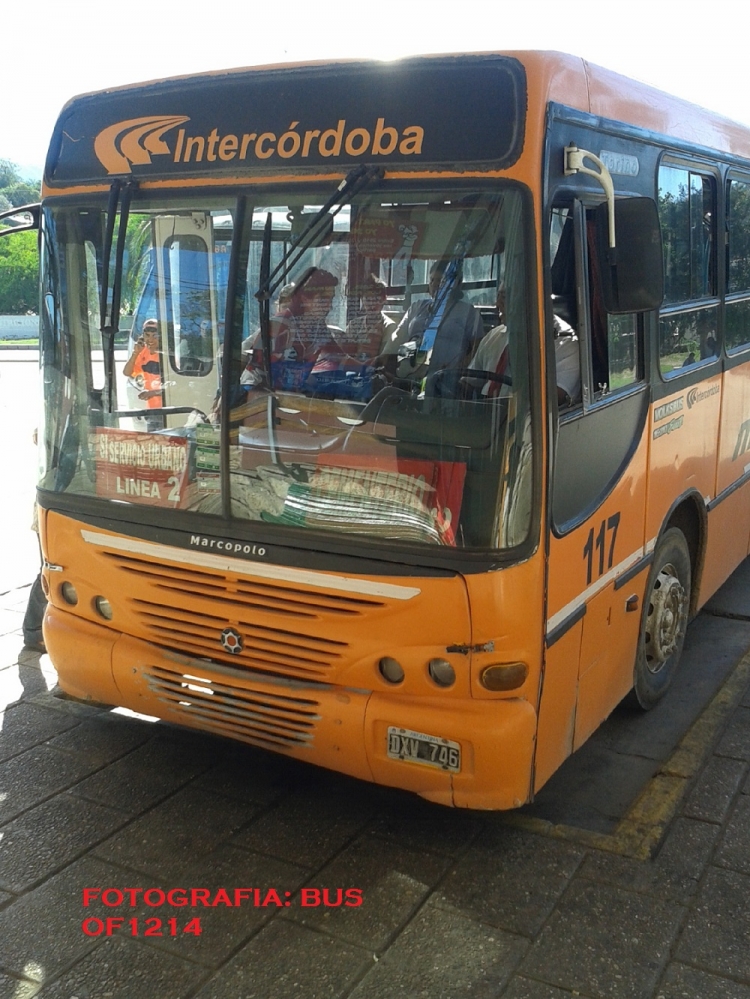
504	676
103	608
69	594
391	670
441	672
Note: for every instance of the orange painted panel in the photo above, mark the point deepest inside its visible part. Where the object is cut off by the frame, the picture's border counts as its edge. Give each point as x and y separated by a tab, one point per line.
610	639
728	529
557	710
684	439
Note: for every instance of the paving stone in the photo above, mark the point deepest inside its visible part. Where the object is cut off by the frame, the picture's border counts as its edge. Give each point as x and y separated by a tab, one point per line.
736	740
312	823
26	725
444	955
287	961
715	789
10	649
719	921
126	969
682	982
103	738
250	774
62	705
605	942
166	841
10	620
34	775
224	928
594	788
510	879
734	850
145	776
45	838
421	825
14	988
394	882
40	932
674	872
526	988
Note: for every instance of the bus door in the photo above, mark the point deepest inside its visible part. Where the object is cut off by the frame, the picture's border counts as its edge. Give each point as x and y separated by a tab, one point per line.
189	303
599	404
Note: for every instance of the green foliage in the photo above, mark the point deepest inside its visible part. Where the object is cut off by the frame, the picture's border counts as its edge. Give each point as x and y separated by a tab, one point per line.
22	193
19	274
19	258
8	174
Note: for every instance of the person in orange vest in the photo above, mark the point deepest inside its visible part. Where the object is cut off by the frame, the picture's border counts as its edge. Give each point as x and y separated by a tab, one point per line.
144	365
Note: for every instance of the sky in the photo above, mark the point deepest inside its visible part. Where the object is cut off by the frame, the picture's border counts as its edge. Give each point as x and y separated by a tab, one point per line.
52	51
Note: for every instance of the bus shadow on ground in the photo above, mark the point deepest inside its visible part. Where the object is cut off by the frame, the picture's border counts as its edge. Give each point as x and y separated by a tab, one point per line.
597	786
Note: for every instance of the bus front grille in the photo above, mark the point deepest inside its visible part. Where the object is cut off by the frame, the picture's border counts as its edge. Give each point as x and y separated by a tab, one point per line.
253	596
255	716
268	649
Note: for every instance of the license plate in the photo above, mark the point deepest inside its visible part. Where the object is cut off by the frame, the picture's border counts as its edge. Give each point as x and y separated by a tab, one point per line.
427	749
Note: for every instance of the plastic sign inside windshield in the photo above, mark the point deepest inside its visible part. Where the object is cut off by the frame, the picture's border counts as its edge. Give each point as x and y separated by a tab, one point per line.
410	114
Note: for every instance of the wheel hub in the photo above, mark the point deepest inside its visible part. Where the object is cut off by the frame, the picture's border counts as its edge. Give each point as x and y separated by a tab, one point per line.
667	616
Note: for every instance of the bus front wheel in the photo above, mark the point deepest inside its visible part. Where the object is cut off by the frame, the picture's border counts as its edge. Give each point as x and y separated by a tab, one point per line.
664	621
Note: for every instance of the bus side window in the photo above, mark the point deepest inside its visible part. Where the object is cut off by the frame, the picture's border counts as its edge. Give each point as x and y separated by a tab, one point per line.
564	308
616	360
689	317
609	354
737	328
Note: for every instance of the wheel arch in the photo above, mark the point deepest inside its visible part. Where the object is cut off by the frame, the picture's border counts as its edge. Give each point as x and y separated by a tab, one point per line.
688	514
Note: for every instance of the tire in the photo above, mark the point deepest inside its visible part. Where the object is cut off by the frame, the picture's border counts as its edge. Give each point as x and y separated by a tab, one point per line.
664	619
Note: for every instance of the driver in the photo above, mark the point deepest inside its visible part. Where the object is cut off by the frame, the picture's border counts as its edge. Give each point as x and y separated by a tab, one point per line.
437	332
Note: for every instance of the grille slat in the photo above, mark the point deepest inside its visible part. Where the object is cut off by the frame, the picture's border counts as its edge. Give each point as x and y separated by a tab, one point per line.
248	714
284	628
267	596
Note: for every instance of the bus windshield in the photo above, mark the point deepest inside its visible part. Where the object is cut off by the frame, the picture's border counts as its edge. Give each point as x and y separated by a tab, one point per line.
384	393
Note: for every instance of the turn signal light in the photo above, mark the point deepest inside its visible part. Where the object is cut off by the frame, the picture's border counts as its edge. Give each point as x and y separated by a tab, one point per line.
69	594
504	676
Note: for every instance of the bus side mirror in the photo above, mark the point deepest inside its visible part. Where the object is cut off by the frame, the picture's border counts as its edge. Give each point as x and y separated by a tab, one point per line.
632	272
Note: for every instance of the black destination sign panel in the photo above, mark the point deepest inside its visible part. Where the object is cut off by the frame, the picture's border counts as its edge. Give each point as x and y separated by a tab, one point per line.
409	114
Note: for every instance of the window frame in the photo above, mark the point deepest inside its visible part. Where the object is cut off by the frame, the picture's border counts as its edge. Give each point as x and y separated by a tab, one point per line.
704	169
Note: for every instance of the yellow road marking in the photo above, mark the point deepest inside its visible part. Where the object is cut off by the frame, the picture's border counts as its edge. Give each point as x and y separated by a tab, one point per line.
641	829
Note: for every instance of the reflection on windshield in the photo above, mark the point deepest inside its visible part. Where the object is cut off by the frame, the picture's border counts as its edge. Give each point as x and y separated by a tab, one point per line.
387	397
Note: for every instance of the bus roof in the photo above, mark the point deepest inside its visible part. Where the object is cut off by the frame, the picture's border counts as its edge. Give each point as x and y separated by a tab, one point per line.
443	112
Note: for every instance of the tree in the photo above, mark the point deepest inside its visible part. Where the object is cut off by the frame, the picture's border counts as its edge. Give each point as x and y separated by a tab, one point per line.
22	193
8	174
19	274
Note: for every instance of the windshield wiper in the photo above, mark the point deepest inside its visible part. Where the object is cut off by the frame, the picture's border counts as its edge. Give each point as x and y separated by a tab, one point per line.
110	325
354	181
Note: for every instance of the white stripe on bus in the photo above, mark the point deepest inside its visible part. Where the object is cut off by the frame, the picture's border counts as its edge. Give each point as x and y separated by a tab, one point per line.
601	583
260	570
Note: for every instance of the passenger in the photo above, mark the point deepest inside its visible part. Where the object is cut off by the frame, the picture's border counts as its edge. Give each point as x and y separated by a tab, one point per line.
438	332
252	353
144	366
367	334
492	355
302	342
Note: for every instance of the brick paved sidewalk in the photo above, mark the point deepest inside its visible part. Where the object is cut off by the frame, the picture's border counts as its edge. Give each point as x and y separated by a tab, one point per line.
454	903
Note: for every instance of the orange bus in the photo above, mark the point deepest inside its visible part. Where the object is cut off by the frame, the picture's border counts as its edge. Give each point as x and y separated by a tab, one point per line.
435	427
